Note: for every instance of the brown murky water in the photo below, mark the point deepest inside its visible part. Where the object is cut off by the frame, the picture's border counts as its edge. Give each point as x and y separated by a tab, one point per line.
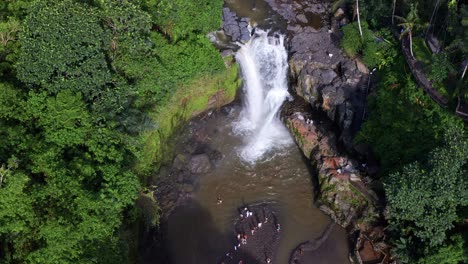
202	232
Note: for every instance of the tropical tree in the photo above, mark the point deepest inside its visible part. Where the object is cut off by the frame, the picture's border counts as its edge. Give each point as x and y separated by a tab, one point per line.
423	198
411	23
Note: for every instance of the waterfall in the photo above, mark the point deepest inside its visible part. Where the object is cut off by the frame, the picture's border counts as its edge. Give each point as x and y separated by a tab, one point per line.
264	67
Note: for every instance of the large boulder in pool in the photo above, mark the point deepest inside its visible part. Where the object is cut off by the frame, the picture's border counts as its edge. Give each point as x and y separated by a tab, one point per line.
200	164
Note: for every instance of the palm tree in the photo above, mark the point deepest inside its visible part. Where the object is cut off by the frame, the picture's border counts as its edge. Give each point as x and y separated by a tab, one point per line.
410	24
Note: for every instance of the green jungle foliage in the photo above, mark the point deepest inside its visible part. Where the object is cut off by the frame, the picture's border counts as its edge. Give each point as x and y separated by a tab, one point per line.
452	252
424	197
422	147
404	123
377	49
79	80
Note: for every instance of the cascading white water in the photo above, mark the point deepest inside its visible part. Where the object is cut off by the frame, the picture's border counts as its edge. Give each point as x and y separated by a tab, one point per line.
264	66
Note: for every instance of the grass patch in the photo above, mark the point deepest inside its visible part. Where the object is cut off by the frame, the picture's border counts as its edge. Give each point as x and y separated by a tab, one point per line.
187	101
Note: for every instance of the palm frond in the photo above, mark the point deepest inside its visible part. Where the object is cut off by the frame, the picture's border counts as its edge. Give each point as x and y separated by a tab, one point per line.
400	18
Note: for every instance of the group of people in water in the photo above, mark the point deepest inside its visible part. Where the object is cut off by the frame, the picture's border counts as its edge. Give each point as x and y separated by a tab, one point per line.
250	222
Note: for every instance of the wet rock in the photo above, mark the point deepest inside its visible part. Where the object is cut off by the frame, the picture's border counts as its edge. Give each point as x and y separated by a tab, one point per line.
215	156
180	162
188	188
263	243
327	76
368	254
345	200
180	178
302	18
323	75
200	164
361	67
297	256
235	27
339	12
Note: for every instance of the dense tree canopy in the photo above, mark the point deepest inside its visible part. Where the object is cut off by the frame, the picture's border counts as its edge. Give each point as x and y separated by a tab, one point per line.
423	199
421	146
77	78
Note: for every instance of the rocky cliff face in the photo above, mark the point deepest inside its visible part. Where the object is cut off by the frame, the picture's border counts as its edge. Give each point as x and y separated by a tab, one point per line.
343	192
319	71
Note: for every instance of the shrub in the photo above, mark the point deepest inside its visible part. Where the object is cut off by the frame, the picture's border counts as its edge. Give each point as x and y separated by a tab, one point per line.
440	68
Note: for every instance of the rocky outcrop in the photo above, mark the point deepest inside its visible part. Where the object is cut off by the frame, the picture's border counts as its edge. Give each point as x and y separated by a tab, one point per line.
175	183
371	246
343	191
319	71
311	245
345	194
234	26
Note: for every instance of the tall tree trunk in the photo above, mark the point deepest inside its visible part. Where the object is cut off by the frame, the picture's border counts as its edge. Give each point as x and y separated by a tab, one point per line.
464	71
393	12
432	17
411	43
358	17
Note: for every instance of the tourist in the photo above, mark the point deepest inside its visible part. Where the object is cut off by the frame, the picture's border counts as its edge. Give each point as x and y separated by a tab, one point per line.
339	171
252	232
278	227
219	200
259	224
266	220
268	260
235	248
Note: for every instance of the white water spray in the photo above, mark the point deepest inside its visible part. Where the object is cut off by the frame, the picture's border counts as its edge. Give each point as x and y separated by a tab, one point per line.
263	61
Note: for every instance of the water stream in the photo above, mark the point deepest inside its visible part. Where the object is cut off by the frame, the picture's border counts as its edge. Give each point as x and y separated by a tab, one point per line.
260	164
